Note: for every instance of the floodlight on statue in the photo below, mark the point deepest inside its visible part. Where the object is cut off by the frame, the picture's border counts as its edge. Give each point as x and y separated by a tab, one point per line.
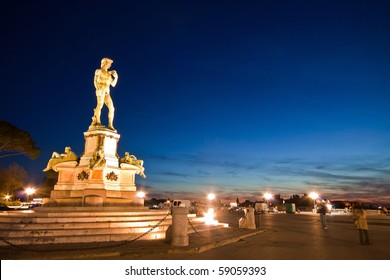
140	194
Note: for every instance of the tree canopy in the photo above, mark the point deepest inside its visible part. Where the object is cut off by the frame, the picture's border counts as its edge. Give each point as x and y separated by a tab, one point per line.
14	141
12	179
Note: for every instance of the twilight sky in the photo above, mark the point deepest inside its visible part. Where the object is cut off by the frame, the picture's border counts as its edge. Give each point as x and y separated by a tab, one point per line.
235	97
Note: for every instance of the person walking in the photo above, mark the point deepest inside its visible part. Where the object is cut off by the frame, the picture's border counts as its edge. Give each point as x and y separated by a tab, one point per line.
360	220
323	210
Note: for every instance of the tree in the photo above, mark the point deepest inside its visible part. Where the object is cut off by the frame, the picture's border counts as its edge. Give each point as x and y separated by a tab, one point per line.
14	141
12	179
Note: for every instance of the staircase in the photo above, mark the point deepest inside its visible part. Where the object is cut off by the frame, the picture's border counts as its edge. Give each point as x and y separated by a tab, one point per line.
54	225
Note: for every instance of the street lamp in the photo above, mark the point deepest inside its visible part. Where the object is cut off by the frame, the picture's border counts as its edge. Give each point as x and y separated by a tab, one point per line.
267	196
210	214
29	191
140	194
211	197
7	197
314	196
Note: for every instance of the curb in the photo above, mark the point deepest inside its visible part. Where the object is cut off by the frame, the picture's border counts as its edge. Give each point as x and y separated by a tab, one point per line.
213	245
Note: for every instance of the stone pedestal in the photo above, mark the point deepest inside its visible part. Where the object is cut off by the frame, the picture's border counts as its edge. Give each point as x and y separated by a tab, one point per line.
179	227
96	181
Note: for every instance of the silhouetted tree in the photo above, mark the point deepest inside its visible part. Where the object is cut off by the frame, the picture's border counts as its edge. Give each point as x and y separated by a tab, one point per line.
278	199
12	179
14	141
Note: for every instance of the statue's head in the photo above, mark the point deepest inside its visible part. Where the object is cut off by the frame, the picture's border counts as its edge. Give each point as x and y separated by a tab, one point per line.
106	60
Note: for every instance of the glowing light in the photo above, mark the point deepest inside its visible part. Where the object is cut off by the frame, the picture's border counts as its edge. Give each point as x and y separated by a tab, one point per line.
267	196
329	206
313	195
209	217
29	191
7	197
140	194
211	196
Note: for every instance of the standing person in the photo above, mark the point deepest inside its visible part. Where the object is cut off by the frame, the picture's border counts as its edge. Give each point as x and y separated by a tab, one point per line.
360	217
102	81
323	210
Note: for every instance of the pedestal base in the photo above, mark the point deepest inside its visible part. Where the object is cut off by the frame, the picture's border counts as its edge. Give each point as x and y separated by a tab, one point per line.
98	179
93	197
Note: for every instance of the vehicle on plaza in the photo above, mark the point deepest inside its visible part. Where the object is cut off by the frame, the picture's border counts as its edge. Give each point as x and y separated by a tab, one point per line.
273	210
261	208
4	207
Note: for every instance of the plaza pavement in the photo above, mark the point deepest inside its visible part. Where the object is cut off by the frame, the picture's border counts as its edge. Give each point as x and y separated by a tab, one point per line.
279	237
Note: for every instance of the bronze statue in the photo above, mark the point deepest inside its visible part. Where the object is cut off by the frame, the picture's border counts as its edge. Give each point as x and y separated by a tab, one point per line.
68	155
102	81
98	158
131	159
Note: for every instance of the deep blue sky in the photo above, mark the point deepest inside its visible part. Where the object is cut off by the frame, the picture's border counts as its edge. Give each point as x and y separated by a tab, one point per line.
235	97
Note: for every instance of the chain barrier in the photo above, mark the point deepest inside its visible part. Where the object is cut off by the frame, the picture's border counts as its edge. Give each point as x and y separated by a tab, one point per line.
124	242
193	228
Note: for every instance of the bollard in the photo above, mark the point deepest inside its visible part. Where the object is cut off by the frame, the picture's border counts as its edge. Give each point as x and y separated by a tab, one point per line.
258	220
250	217
249	221
179	227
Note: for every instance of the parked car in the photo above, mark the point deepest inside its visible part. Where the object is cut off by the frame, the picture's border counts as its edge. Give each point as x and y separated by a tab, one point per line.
4	207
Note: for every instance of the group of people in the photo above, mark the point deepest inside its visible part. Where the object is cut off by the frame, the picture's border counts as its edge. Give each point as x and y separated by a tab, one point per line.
360	221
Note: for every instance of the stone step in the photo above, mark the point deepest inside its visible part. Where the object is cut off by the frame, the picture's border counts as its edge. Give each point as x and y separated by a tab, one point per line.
157	233
79	232
40	227
12	230
82	239
30	216
76	219
34	214
96	225
98	214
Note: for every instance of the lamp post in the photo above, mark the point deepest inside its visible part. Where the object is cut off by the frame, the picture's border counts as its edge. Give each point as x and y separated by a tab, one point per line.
267	197
211	197
29	191
314	196
210	214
